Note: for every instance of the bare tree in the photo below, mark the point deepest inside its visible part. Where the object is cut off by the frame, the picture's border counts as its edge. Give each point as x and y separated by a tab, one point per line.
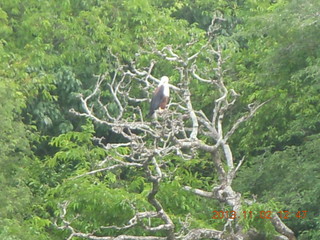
178	131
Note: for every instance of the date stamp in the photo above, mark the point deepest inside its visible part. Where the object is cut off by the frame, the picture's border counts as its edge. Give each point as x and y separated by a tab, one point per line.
260	214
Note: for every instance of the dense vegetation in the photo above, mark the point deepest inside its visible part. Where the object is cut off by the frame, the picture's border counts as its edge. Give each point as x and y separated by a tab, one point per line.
50	51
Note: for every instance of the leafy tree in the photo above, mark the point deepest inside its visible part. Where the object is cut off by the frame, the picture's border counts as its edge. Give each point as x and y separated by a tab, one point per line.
298	189
278	60
17	217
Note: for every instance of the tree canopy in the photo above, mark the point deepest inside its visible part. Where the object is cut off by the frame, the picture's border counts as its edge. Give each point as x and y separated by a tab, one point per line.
78	158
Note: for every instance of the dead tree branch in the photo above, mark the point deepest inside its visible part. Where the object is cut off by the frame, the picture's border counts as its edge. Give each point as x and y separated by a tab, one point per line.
180	131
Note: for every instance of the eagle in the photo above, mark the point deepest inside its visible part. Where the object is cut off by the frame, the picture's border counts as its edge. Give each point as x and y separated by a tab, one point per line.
160	96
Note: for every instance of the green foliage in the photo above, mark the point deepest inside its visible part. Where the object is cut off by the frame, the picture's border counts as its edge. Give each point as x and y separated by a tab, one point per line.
282	68
257	215
15	157
290	178
180	203
56	48
95	203
76	153
49	53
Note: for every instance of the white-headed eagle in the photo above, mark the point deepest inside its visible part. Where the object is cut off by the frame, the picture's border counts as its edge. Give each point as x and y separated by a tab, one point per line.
160	97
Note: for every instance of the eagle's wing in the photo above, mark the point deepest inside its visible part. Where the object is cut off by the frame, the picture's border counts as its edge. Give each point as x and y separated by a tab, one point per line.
156	100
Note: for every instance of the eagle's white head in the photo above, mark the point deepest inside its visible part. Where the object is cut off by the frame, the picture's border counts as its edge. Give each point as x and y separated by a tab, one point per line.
164	80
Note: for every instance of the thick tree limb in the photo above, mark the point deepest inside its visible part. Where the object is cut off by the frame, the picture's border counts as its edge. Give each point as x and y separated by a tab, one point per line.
282	228
196	234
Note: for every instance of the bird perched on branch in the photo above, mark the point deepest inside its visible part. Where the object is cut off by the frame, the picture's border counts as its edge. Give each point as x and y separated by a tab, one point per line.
160	97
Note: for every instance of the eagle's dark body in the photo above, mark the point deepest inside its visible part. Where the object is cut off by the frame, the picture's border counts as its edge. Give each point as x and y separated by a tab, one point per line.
160	97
